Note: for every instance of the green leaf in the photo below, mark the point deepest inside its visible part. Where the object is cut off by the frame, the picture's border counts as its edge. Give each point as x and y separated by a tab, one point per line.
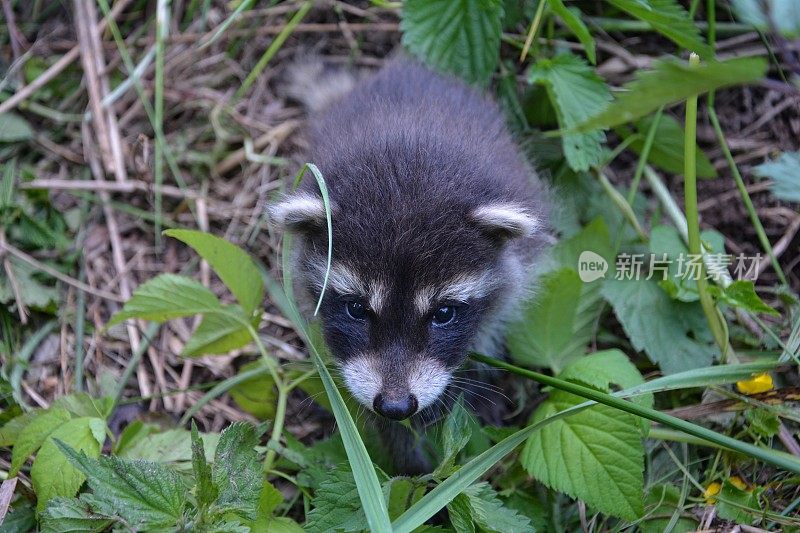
670	82
268	500
456	433
52	474
233	265
143	493
336	506
9	433
736	504
785	174
168	296
218	334
71	515
14	128
457	36
782	15
491	515
665	329
204	488
602	369
742	293
34	293
763	422
547	332
257	395
572	20
7	185
667	150
32	436
81	404
237	471
663	501
595	455
461	514
577	94
171	446
669	19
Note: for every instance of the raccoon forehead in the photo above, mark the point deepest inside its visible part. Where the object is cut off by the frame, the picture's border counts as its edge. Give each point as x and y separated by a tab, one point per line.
460	288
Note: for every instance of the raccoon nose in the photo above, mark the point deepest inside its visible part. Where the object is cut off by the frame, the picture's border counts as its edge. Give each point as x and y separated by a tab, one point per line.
395	408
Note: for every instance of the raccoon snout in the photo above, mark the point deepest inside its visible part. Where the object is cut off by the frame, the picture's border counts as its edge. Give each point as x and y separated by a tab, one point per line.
396	408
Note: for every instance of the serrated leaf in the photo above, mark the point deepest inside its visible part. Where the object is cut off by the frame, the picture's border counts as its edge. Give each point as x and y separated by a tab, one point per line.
166	297
491	515
233	265
571	17
742	293
218	334
336	505
34	433
460	514
666	152
763	422
546	333
143	493
14	128
669	19
457	36
71	515
595	455
577	93
204	488
659	326
671	81
785	174
602	369
236	471
52	474
257	395
456	433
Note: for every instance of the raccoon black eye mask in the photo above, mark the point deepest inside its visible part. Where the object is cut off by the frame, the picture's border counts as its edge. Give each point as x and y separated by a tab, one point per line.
437	225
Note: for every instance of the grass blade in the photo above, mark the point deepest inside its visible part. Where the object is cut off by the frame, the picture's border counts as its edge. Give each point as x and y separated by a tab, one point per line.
369	488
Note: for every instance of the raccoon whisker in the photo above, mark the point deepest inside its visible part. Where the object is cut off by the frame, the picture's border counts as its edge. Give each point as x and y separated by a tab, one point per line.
467	392
478	383
471	386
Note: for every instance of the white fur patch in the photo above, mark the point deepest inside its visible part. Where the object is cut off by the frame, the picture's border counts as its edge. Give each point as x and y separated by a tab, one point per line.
507	218
377	296
341	278
462	289
300	208
362	379
427	380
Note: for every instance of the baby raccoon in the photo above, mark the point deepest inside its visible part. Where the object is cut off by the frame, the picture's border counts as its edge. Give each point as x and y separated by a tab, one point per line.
437	225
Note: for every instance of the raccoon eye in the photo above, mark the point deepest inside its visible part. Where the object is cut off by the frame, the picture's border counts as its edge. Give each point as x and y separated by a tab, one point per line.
356	310
444	315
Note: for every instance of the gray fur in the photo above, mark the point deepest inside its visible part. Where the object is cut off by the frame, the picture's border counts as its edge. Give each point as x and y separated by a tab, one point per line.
428	187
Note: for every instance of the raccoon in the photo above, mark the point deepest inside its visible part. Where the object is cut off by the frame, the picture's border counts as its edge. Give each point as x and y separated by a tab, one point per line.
438	225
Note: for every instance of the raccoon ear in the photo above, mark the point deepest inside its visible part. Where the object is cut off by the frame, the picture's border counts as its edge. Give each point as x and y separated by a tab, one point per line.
505	220
299	212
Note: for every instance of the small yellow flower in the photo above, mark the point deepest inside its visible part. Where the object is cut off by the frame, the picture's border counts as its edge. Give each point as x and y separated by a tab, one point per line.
737	482
756	384
712	490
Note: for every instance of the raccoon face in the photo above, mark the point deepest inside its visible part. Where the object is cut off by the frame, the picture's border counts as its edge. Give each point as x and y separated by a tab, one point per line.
408	295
